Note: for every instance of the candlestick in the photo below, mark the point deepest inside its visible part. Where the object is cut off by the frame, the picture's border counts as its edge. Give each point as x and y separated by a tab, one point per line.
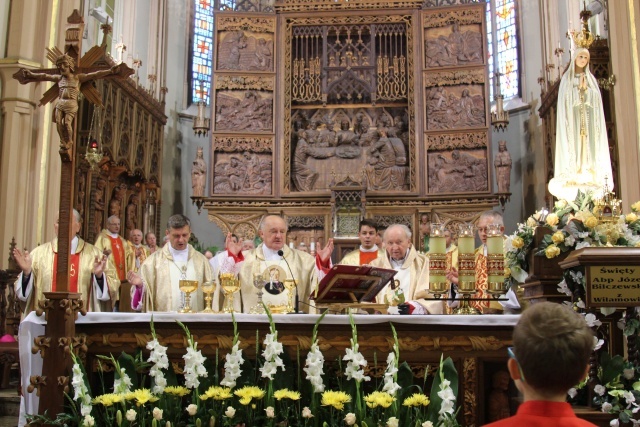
495	260
437	260
466	268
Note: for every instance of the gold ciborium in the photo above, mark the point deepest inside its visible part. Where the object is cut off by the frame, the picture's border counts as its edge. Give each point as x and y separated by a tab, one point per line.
290	285
187	286
208	288
230	285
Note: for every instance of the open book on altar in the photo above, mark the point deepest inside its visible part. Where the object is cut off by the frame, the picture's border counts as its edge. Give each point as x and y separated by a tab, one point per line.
352	284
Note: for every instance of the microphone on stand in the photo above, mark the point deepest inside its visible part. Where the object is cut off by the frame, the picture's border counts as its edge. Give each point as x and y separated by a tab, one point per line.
296	305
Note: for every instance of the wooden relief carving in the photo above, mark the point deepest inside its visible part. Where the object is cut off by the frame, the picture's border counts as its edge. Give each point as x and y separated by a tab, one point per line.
454	45
242	173
341	140
244	111
455	107
451	141
245	51
256	24
245	82
458	171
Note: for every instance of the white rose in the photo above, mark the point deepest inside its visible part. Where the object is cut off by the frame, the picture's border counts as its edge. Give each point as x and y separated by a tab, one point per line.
572	392
606	407
599	390
89	421
392	422
306	412
628	373
131	415
157	413
192	409
270	412
230	412
350	419
614	423
427	424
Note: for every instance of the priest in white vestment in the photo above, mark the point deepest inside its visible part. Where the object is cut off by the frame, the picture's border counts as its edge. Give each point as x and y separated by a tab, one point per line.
156	287
412	274
275	262
91	274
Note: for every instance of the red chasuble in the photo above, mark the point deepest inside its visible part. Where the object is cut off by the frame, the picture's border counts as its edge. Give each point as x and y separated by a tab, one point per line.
367	257
74	269
118	257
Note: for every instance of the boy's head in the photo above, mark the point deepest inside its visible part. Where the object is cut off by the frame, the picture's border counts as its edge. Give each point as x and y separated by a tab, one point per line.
552	345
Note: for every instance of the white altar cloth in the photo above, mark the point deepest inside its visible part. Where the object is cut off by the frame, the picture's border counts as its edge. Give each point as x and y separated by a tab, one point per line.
32	326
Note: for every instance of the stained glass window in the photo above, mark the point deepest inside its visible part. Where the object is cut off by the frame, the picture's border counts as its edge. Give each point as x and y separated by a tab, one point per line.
202	52
503	46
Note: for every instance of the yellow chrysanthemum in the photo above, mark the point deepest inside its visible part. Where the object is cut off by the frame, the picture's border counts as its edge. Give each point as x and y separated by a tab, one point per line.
337	399
636	206
108	399
129	396
144	395
379	398
416	400
286	394
217	393
176	390
247	393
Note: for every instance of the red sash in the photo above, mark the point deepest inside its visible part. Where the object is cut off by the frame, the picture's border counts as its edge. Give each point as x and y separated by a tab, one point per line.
367	257
117	250
74	270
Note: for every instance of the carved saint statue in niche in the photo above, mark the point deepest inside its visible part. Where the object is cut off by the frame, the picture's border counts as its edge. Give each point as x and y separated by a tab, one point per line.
502	162
115	204
132	213
198	174
98	205
457	48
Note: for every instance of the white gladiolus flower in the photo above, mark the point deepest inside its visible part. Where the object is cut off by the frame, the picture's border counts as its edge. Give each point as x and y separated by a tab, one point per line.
192	409
448	399
81	392
390	385
272	351
159	360
232	366
355	360
597	344
314	368
193	366
123	384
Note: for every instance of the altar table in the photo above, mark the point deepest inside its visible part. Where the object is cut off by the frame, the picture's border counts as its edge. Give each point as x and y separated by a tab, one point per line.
477	344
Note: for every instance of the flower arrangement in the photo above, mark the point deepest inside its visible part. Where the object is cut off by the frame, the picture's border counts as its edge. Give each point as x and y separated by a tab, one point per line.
147	392
574	225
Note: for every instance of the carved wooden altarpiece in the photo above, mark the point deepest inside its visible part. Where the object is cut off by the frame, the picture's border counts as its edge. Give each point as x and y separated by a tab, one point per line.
390	95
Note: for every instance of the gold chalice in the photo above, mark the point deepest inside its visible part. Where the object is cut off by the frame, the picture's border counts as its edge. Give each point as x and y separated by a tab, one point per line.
259	283
290	285
230	285
208	288
187	286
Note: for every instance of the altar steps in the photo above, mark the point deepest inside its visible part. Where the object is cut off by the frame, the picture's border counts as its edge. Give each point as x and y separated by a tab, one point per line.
9	407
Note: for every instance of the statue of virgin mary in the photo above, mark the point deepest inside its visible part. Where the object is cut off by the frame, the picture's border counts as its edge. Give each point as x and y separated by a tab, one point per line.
582	160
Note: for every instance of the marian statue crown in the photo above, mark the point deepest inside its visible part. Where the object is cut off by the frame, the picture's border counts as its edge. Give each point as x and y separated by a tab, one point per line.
583	38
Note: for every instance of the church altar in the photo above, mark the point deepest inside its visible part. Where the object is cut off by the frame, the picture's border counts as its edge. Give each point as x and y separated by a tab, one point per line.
477	344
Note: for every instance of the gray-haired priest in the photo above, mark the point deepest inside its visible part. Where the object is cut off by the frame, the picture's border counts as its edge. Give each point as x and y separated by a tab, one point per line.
412	277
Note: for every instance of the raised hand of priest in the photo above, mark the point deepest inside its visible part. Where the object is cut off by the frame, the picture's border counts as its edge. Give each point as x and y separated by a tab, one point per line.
98	265
23	259
325	253
452	275
134	279
233	247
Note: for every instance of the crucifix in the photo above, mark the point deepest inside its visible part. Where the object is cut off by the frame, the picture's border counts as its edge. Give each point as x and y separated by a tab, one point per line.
73	74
